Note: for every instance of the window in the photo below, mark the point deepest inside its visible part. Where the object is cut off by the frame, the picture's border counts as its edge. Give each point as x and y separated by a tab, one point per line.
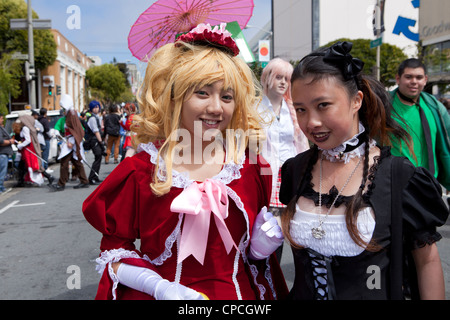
437	58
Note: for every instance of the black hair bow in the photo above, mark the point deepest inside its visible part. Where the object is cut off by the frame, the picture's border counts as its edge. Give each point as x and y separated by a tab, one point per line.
339	55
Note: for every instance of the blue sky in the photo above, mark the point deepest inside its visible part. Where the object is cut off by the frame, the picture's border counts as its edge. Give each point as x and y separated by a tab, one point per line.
105	24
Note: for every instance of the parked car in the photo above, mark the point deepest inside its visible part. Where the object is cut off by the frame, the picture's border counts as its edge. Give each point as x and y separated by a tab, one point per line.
52	115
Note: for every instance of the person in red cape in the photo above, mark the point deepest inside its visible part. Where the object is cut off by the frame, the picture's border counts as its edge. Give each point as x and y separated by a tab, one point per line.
30	151
196	191
129	110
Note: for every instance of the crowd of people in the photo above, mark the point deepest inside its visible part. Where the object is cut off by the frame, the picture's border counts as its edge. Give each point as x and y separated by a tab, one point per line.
102	130
226	170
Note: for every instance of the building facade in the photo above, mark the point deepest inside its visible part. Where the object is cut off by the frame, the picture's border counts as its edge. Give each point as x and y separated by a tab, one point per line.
67	75
434	24
301	26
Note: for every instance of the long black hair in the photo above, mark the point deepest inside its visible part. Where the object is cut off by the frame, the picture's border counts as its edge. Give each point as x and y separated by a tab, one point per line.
375	115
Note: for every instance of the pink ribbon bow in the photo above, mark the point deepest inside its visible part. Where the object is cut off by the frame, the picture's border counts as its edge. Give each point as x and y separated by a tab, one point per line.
198	202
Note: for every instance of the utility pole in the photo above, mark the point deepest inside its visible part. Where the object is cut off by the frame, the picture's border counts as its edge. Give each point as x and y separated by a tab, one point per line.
30	25
378	19
32	84
315	29
378	29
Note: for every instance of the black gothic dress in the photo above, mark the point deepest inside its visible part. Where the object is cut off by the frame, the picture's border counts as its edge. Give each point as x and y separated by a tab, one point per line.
347	277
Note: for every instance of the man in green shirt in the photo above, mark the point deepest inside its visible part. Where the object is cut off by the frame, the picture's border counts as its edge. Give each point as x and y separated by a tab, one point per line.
425	119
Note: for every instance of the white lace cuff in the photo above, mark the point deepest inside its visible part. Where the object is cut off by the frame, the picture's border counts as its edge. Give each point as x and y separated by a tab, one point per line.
110	256
114	255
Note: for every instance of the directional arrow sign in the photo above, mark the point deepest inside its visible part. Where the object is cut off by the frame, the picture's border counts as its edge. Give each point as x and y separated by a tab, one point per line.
402	26
22	24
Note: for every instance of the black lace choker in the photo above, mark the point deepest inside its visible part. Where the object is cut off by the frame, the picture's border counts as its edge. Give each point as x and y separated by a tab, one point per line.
351	148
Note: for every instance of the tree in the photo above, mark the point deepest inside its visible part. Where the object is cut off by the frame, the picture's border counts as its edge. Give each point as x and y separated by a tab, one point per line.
390	58
107	81
257	69
17	40
10	74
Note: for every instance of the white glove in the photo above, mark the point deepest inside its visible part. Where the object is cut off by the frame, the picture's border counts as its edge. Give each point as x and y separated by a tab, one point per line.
266	235
151	283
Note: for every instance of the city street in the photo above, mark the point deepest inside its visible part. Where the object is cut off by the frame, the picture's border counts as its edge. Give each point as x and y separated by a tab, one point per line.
48	249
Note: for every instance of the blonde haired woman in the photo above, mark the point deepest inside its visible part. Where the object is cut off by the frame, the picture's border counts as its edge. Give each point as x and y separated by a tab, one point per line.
193	201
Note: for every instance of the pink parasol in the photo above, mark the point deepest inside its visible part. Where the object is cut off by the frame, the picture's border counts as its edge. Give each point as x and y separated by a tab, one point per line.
160	23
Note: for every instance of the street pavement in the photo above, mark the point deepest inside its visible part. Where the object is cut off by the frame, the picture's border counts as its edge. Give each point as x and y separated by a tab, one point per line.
48	249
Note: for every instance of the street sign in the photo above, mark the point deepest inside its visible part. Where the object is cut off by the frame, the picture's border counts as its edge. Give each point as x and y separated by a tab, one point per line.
22	24
48	81
376	43
19	56
264	50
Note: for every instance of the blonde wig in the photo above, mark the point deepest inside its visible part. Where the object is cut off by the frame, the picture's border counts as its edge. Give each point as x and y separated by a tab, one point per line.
172	75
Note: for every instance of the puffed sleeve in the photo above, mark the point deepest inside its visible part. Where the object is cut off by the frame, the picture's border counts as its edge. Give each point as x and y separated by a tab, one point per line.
286	190
423	208
112	210
292	174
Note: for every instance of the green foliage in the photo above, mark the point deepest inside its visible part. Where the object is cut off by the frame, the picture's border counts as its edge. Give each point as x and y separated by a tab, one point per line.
257	69
10	74
17	40
390	58
107	82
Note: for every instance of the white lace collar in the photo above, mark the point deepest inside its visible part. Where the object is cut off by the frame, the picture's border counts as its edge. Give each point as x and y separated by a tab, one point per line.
229	172
337	154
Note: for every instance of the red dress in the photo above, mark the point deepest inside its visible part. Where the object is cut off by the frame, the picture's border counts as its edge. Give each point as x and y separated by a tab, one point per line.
123	208
31	161
126	125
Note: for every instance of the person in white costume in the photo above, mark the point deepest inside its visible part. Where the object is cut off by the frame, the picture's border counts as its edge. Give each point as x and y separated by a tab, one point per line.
72	147
30	169
284	136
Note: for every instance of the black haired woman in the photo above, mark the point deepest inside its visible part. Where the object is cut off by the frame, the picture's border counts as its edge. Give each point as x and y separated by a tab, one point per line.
350	202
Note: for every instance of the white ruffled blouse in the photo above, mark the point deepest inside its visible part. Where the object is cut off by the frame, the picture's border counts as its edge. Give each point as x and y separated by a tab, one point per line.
337	241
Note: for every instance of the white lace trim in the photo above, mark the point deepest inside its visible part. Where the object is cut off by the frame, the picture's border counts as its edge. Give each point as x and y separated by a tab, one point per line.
336	154
107	258
168	244
229	172
243	246
114	255
236	267
337	241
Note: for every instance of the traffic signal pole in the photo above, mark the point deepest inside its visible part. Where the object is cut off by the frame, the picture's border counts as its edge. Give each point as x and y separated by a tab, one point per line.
32	84
30	25
378	15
